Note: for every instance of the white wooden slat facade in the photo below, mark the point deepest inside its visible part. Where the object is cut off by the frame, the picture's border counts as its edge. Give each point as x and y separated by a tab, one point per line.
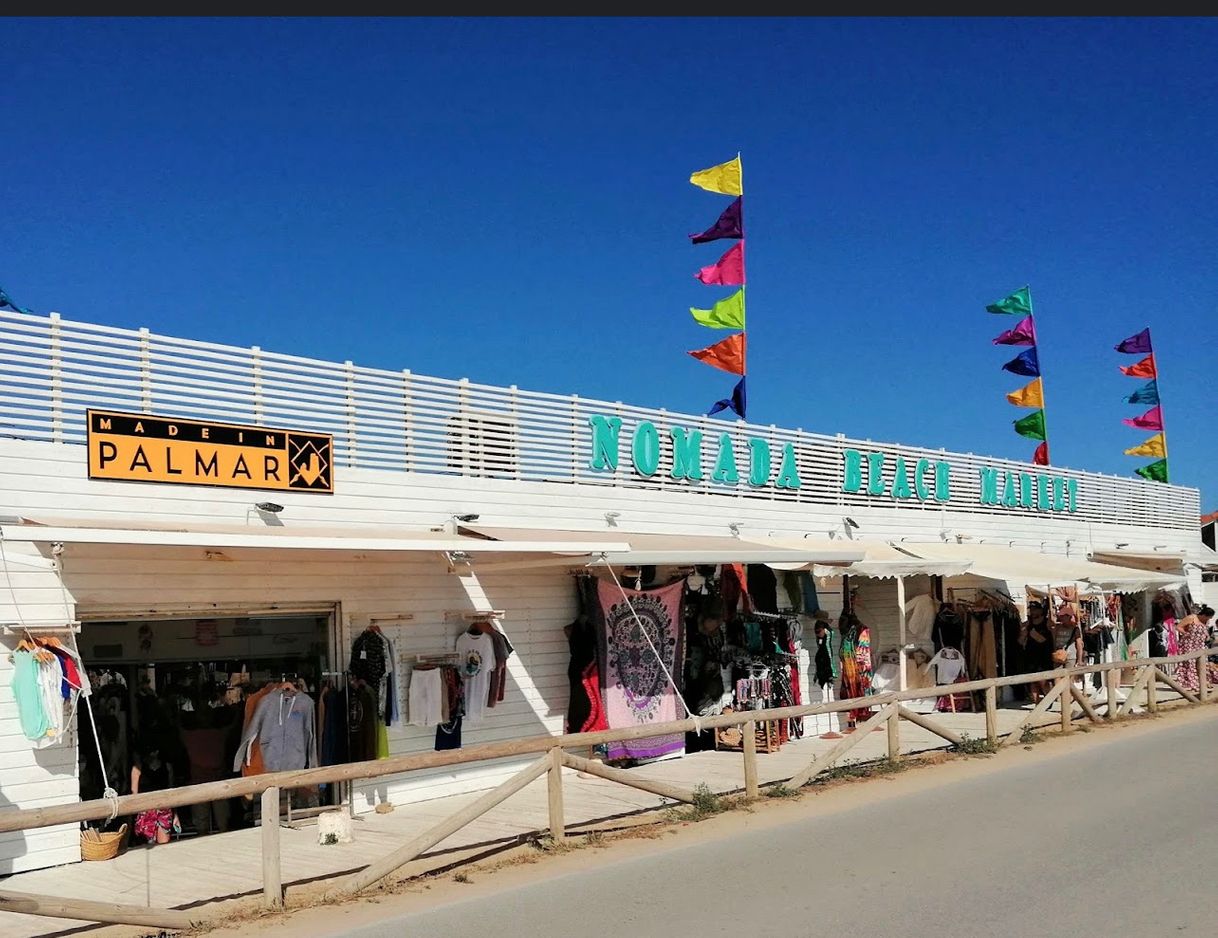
413	451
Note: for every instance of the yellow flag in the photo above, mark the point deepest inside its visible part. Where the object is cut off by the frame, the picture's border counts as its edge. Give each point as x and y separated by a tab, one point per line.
723	178
1155	446
1031	394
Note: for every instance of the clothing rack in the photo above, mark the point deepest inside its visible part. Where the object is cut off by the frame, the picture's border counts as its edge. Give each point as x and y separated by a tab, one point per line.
17	629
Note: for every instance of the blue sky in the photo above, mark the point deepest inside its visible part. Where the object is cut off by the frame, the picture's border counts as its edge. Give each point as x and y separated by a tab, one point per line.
507	200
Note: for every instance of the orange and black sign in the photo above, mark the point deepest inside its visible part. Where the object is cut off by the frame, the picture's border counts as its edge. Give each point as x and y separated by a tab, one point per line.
139	448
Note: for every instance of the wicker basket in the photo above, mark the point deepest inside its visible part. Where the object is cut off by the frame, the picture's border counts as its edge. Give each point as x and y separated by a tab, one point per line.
99	845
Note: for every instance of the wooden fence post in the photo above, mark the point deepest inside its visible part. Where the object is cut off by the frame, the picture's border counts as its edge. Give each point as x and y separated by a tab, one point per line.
272	875
1152	688
1203	675
1066	700
1112	677
558	827
991	714
749	747
894	734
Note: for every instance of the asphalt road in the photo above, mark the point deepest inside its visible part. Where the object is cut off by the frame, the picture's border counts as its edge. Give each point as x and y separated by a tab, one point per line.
1119	839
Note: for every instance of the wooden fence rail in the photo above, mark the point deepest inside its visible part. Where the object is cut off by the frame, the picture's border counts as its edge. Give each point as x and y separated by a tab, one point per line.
553	759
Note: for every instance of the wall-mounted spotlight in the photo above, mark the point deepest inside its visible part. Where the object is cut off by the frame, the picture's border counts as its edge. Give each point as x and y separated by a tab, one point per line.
1122	544
466	519
734	527
269	507
850	523
611	518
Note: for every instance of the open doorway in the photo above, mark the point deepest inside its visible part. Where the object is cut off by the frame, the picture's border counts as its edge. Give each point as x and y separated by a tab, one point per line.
173	698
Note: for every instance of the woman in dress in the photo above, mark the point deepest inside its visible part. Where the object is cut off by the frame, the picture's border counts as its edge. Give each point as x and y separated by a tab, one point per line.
152	773
855	657
1194	635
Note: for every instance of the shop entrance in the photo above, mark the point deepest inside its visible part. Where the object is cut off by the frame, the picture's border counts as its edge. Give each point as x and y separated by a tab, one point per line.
173	698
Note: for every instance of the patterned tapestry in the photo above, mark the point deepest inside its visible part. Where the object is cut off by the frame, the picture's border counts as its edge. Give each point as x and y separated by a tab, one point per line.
635	688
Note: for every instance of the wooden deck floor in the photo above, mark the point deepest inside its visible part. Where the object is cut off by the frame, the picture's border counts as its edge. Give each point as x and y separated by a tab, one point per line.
199	871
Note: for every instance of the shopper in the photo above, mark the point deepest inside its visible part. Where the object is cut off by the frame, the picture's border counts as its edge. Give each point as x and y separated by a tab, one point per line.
1038	653
1194	635
152	773
1067	640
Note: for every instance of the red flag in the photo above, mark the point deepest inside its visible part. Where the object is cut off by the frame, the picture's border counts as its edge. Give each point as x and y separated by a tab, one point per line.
727	355
1041	456
1143	369
728	271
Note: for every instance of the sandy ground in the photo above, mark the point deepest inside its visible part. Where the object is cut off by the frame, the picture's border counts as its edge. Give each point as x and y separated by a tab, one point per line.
530	866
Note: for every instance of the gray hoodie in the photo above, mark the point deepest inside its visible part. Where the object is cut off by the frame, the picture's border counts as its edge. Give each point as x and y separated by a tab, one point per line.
283	726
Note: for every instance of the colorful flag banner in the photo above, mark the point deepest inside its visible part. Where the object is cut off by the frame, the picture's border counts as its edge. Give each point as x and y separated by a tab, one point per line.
1136	344
725	178
1155	471
1032	426
5	301
1151	420
729	225
1018	303
727	355
1031	394
1025	363
1041	456
1023	334
1154	446
728	271
1143	369
737	402
1146	394
728	313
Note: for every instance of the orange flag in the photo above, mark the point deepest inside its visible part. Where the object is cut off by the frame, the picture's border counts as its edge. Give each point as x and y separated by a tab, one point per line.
727	355
1143	369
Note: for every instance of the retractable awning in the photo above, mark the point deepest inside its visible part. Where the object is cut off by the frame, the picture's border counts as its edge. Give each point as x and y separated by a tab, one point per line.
641	549
283	537
1022	568
880	560
1161	561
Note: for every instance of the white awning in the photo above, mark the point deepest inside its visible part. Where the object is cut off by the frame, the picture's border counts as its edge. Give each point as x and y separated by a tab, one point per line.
1023	568
1162	561
643	549
880	560
282	537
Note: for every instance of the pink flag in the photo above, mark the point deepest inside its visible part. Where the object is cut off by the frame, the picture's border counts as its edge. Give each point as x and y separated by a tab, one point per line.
728	271
1023	334
1151	420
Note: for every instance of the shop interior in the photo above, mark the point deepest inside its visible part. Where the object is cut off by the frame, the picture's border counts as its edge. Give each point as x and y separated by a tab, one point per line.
174	700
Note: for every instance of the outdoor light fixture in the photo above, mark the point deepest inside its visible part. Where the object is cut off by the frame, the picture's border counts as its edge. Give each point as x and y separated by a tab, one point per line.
269	507
466	519
611	518
734	527
1122	544
850	522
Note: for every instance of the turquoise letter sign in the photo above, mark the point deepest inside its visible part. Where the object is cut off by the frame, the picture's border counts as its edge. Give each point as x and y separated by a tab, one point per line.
686	454
989	486
900	480
943	482
920	480
605	433
646	448
725	463
759	461
852	474
875	473
788	473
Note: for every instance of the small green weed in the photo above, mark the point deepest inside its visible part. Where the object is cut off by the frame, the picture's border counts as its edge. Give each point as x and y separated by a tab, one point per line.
780	791
975	747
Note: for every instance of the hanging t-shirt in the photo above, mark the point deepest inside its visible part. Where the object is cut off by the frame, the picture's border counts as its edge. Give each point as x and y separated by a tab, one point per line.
475	660
27	691
920	618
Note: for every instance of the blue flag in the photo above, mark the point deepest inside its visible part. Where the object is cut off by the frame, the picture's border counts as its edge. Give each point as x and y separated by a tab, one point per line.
1146	394
736	403
1025	363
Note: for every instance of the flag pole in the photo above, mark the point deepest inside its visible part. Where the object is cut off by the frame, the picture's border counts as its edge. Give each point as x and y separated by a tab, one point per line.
1044	410
1162	421
744	286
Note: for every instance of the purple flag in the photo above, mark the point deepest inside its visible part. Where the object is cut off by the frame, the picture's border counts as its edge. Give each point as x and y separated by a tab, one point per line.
1151	420
729	225
1023	334
737	402
1025	363
1136	344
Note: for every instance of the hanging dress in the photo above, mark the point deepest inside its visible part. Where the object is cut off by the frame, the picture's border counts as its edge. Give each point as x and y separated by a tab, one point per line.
856	668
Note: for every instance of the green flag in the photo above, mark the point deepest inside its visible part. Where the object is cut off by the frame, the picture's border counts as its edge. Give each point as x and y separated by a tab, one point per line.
1032	426
1155	471
1018	303
728	313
